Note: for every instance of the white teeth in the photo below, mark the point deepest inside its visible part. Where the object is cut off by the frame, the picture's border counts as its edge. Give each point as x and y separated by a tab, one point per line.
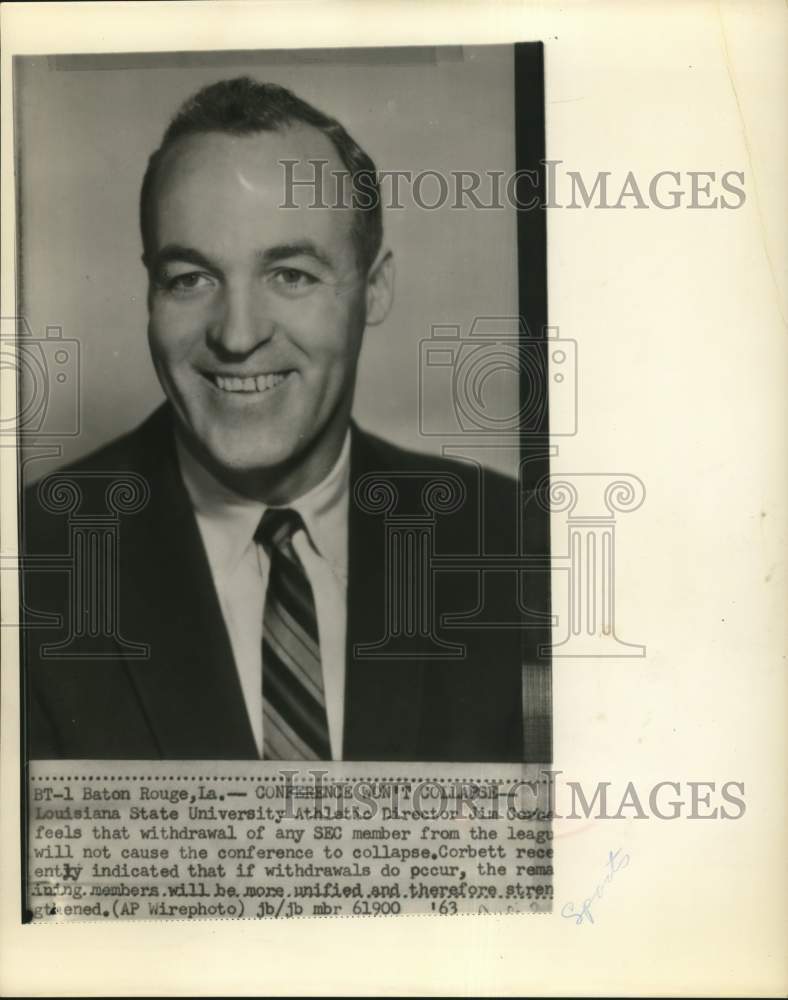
253	383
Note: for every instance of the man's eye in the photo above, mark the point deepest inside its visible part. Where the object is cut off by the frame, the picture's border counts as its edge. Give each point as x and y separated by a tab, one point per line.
292	279
187	282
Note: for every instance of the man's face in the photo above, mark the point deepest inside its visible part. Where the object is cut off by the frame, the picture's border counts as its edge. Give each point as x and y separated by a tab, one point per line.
256	312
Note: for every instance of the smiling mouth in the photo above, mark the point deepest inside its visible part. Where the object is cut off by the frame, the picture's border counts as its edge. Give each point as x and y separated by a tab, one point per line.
249	383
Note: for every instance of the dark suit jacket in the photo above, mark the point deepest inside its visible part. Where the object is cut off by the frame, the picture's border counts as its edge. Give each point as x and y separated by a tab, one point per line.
183	700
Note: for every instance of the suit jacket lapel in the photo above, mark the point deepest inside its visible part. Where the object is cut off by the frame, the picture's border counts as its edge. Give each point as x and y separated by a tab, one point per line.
189	688
383	697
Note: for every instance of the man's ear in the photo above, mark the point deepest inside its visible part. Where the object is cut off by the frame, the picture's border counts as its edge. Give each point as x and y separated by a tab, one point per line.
149	292
380	288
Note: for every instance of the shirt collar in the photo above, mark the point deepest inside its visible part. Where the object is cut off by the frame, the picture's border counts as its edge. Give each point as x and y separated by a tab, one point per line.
230	520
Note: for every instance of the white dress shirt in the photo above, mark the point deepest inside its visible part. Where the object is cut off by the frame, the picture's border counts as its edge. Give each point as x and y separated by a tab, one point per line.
240	566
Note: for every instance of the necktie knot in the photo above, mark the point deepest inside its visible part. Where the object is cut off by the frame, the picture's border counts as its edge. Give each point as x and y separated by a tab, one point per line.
277	527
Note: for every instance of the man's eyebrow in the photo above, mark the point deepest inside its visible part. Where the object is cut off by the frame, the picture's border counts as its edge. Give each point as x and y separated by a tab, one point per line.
283	251
186	255
299	248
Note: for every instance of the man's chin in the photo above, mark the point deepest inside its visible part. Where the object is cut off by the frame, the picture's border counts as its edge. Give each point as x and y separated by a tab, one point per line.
226	464
272	466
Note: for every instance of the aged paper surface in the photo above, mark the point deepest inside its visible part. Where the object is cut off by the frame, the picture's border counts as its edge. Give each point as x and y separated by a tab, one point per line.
679	319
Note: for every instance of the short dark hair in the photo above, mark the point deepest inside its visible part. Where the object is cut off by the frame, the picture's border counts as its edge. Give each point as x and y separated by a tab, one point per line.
243	106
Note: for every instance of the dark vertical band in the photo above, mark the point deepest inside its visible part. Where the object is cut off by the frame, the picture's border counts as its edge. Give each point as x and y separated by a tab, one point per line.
529	105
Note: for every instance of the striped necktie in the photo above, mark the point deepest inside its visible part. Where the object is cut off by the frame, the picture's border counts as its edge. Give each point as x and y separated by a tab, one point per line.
295	724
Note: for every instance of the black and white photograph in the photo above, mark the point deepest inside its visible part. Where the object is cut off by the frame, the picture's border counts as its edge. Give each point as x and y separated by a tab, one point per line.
294	362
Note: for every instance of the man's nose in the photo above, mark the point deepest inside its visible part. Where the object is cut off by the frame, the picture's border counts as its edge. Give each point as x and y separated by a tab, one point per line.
242	322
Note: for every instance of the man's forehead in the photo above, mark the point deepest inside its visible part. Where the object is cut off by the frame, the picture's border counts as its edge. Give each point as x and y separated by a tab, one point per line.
223	195
255	163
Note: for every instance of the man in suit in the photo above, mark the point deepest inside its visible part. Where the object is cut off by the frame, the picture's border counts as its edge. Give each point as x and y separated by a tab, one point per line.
255	613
